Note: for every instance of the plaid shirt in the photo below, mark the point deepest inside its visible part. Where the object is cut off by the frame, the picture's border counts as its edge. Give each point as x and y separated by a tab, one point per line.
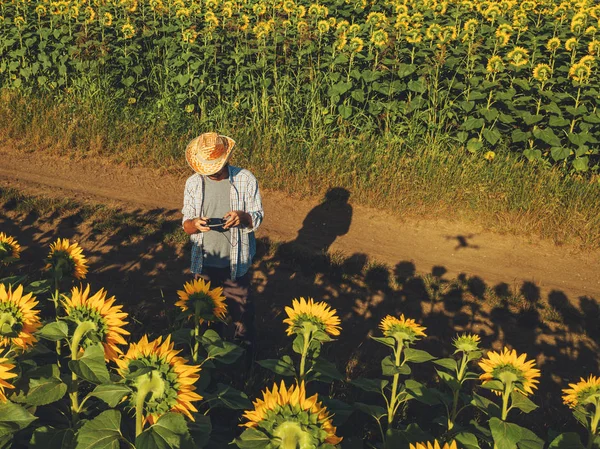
244	195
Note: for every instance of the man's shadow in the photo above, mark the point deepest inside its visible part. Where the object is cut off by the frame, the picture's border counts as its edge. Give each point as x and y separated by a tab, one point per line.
321	227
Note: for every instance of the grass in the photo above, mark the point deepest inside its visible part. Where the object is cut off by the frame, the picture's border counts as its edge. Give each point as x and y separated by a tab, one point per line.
408	177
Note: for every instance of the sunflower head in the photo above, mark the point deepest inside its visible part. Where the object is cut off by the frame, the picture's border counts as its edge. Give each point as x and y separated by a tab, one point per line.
198	299
356	44
5	374
19	320
433	445
287	416
467	342
67	259
379	38
106	321
583	392
542	72
510	369
553	44
594	48
518	56
313	317
10	250
403	330
489	156
160	380
580	72
128	31
571	44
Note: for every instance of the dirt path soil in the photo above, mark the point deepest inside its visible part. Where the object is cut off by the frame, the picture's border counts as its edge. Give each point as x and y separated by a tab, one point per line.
453	247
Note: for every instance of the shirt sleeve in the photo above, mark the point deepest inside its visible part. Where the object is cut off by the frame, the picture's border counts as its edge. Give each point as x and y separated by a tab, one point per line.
189	208
253	205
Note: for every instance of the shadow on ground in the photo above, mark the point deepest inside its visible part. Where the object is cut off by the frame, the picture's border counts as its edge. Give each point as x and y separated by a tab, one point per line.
139	257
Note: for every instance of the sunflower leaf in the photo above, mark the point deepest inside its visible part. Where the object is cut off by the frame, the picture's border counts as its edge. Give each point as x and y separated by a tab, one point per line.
375	411
521	402
46	437
91	365
485	405
102	432
169	432
200	430
13	418
219	349
448	363
388	341
325	371
389	367
229	397
54	331
283	366
112	394
417	355
252	439
568	440
370	385
45	391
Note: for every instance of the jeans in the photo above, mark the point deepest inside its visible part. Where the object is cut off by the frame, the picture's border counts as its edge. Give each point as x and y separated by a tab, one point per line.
237	297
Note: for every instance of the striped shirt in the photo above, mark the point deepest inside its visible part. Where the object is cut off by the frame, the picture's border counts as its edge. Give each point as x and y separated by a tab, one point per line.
244	196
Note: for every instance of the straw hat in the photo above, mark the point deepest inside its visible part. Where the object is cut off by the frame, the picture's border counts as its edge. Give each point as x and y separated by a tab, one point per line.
209	152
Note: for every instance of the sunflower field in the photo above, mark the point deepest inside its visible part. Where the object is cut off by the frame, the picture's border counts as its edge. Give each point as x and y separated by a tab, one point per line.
72	376
480	74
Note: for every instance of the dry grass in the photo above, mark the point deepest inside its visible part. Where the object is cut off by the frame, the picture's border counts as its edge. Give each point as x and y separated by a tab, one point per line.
411	179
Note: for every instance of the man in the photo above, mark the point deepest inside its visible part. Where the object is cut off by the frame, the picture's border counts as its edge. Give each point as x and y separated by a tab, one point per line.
222	254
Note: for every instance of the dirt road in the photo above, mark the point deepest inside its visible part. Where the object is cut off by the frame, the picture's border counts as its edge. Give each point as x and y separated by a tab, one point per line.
451	246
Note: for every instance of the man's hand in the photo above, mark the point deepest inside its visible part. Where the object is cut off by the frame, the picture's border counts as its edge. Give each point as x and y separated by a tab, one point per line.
237	218
200	224
195	225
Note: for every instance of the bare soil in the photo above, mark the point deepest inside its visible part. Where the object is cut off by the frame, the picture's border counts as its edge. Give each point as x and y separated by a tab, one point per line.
458	247
527	294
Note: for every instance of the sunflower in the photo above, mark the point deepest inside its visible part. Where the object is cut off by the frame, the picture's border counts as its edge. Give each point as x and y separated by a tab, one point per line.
471	26
189	36
379	38
588	60
434	445
580	72
67	258
9	249
432	31
128	31
542	72
165	380
19	320
199	298
288	416
518	56
470	342
289	6
510	368
5	374
594	48
323	26
107	318
402	329
107	19
571	44
553	44
307	312
414	36
582	392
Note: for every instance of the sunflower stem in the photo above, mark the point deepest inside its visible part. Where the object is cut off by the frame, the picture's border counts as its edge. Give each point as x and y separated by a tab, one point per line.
196	332
593	426
306	334
82	329
505	398
392	407
145	387
55	301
